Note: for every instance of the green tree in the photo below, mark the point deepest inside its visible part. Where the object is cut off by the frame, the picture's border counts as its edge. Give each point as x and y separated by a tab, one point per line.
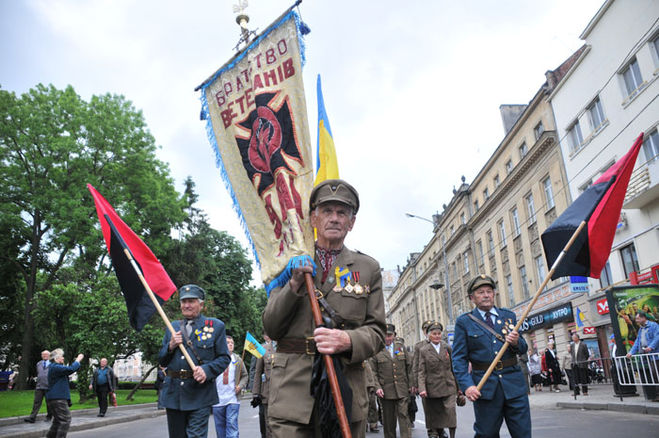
52	143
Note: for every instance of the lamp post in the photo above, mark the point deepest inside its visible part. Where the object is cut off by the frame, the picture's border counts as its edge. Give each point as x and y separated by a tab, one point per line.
438	285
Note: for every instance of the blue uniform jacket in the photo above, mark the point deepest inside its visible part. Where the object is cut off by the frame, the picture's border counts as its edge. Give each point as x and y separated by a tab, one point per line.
58	381
187	394
473	343
652	333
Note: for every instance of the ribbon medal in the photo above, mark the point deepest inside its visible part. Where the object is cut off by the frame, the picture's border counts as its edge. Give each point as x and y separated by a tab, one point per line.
342	276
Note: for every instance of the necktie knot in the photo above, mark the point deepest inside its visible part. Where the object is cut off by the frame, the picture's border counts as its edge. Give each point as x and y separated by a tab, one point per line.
188	327
488	319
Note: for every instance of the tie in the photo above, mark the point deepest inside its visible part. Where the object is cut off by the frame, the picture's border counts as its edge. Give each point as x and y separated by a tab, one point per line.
45	364
225	376
488	319
188	327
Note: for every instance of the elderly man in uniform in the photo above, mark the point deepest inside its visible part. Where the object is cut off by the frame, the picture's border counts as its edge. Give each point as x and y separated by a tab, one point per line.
392	368
479	335
188	394
349	286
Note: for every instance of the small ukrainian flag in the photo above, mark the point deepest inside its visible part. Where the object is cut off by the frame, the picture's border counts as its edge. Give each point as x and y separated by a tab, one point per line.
253	346
580	318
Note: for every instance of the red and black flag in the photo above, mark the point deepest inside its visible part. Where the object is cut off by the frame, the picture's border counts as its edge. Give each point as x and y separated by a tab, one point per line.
600	207
119	237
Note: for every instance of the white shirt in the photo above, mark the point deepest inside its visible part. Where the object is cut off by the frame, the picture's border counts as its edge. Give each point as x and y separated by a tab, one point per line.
390	348
493	312
227	393
436	347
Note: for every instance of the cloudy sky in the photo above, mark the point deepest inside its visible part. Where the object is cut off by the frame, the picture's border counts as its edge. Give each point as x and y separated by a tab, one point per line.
412	88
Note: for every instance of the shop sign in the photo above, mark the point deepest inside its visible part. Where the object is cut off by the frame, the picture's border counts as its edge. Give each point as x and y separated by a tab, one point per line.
548	318
602	306
589	330
578	285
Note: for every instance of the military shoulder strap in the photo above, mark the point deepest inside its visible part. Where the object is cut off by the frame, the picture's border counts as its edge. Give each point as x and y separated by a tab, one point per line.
189	343
487	327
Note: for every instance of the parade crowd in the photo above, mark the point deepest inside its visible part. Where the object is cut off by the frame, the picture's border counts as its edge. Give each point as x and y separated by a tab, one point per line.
200	375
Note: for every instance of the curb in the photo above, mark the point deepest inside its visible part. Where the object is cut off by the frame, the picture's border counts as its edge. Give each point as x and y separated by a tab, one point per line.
616	407
8	421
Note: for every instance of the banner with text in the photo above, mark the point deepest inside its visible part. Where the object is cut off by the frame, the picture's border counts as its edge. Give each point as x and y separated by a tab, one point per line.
257	123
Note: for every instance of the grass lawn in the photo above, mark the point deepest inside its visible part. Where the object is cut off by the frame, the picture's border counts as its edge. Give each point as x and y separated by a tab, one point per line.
19	403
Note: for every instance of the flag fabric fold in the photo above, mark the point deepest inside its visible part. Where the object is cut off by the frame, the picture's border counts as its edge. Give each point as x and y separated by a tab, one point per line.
327	166
119	237
579	318
254	346
600	207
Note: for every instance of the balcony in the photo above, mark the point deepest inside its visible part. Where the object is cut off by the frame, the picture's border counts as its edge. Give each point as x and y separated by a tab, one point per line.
643	187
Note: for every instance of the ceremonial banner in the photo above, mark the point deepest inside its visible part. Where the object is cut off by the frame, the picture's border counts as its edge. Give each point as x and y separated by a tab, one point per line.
256	117
327	166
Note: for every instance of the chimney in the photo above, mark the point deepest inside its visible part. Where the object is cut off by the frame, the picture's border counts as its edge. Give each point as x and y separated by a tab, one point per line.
509	115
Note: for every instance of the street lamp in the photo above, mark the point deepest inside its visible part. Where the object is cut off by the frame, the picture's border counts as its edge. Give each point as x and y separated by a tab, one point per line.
437	285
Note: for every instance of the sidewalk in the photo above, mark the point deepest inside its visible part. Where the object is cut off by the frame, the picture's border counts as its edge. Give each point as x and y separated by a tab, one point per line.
81	420
600	398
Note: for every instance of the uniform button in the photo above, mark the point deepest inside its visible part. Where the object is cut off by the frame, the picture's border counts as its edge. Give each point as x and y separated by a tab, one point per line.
500	376
182	383
496	352
494	341
182	357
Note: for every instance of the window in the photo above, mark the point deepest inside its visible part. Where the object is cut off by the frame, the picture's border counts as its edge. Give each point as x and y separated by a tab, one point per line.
511	291
490	242
574	136
632	78
651	146
479	250
549	193
463	219
523	150
451	230
502	233
605	276
538	130
530	208
655	45
486	194
629	259
497	181
540	267
509	166
515	216
583	187
596	113
465	260
525	284
476	206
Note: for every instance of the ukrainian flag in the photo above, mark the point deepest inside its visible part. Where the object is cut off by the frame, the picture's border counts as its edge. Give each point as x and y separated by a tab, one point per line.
253	346
327	167
580	318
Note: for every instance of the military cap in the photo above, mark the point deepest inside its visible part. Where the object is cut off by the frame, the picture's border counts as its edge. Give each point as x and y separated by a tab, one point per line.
391	329
435	326
426	324
336	190
479	281
191	291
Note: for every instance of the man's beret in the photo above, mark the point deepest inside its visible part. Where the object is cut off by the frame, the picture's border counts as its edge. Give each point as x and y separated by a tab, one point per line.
336	190
479	281
191	291
435	326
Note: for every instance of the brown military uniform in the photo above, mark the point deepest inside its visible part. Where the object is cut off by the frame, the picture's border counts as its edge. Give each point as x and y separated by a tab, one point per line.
436	378
392	375
262	381
287	319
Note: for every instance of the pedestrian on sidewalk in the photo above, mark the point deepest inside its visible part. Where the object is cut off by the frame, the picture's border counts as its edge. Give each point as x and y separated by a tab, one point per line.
647	342
58	397
41	389
102	383
580	364
567	366
229	386
535	370
551	366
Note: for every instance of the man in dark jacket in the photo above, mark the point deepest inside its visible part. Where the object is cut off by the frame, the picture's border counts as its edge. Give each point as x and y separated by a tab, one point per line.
103	384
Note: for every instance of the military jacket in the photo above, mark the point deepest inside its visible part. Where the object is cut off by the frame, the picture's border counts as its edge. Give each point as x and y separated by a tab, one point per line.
288	315
474	343
392	374
209	339
262	373
415	362
435	371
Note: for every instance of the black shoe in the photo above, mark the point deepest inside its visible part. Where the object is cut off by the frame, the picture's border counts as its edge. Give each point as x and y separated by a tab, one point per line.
101	415
48	419
28	420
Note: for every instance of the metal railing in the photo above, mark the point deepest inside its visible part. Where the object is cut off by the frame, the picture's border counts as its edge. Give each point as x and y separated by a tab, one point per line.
640	369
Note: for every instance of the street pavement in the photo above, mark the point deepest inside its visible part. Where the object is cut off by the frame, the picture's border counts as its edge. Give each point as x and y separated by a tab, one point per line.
599	415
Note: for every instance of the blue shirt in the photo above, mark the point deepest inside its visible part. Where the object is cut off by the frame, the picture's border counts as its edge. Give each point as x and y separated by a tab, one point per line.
651	332
102	376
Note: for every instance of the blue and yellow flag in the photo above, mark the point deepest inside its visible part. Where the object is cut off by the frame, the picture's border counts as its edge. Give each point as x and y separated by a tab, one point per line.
253	346
327	167
580	318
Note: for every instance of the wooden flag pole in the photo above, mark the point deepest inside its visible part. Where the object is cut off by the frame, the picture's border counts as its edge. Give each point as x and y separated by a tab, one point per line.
158	307
329	365
532	303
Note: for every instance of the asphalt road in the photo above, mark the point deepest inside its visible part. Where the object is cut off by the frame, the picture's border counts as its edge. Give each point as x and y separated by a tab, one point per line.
547	423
